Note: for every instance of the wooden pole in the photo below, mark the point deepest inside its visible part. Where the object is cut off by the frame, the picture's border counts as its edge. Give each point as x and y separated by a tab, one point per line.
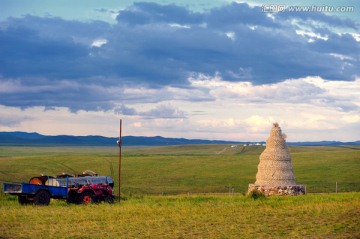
336	187
119	165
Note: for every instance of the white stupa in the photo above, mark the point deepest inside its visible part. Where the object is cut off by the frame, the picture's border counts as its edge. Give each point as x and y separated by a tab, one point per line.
275	174
275	166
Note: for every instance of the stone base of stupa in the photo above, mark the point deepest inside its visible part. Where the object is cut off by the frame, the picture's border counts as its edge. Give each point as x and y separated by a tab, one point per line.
289	190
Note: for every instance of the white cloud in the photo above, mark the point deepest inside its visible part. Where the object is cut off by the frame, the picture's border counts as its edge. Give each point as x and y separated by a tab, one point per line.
231	35
314	90
356	36
59	120
351	119
164	111
218	123
312	35
176	25
309	108
304	106
341	56
9	86
99	42
259	123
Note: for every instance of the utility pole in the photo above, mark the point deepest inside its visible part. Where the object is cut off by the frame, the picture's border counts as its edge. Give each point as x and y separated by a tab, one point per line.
119	142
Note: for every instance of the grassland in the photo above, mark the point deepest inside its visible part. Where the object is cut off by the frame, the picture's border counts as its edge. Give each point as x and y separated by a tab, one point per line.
183	169
310	216
148	173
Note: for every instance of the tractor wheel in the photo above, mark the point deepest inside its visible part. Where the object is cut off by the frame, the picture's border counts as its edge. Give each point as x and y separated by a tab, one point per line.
86	198
23	200
109	199
42	198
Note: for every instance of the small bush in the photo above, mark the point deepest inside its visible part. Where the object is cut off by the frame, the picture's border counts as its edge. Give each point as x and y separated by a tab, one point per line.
256	194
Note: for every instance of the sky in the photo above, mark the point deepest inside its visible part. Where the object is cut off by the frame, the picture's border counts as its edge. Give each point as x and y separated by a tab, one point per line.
216	69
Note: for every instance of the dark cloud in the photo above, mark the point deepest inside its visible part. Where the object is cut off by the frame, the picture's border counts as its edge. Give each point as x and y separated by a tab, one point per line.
147	12
314	17
238	14
12	120
25	53
124	110
59	94
49	48
160	111
342	44
164	111
155	46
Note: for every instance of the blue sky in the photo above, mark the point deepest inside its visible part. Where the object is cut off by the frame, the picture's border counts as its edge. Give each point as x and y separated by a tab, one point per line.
221	70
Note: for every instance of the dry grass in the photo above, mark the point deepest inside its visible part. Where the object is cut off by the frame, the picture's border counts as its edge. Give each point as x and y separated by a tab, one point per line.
311	216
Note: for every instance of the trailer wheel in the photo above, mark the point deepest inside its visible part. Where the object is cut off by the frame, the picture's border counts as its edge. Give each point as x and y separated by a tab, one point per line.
72	197
23	200
42	198
86	198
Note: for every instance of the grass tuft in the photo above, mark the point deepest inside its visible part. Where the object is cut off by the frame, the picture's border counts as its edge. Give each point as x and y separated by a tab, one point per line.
256	194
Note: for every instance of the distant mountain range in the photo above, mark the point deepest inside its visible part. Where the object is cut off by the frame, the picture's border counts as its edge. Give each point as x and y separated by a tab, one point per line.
35	139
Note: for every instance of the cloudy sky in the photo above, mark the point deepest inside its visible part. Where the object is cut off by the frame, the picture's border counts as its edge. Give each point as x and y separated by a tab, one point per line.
221	70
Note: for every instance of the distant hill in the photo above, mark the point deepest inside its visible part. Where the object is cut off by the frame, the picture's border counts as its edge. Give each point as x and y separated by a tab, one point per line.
323	143
35	139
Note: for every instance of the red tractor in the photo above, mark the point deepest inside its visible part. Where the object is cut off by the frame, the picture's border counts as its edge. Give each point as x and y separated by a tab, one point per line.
90	193
81	189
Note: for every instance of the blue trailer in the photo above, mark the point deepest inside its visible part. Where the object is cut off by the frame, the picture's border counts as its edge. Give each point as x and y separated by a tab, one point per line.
33	193
81	189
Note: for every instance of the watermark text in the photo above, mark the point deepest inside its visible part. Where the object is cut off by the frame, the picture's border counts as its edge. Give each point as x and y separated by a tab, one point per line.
273	8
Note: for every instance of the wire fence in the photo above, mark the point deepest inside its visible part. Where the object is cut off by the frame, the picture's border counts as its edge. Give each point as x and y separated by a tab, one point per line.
333	187
313	188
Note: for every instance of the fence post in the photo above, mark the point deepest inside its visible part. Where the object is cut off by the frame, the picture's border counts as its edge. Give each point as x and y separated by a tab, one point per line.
336	187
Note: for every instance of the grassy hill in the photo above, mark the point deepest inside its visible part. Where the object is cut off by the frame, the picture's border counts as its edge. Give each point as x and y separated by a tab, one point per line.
36	139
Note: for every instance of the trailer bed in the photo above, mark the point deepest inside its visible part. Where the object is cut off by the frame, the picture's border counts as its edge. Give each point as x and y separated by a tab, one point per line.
31	189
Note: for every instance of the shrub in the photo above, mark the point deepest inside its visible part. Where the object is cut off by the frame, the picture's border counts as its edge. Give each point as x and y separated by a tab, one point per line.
256	194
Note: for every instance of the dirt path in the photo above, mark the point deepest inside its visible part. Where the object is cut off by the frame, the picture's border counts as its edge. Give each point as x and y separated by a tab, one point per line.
222	151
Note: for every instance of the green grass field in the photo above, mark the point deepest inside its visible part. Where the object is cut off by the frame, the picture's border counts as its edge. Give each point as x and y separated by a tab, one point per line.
184	169
181	173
